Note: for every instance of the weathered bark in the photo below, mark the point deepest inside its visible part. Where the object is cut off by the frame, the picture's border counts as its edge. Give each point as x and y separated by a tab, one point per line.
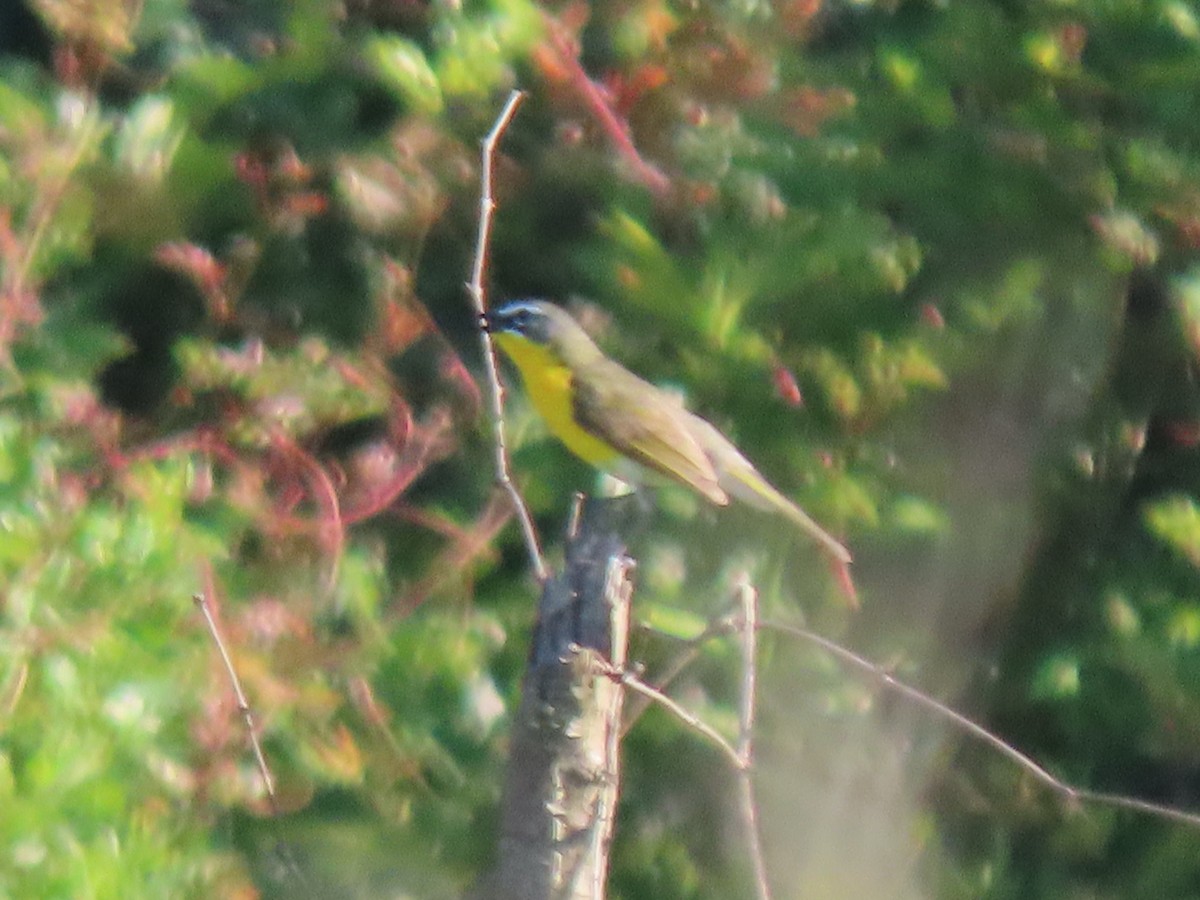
560	794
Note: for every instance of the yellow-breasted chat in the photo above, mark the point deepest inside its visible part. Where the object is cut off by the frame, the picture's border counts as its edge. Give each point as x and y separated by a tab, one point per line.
621	423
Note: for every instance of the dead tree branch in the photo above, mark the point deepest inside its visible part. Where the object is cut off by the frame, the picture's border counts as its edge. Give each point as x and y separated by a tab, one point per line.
560	794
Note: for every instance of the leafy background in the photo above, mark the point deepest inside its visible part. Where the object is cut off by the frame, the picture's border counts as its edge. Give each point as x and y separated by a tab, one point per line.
932	264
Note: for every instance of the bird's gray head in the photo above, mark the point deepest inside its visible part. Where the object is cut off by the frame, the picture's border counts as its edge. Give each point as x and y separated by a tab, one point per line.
529	319
544	324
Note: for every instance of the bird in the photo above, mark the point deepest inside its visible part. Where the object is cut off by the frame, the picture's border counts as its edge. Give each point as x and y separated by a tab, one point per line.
618	422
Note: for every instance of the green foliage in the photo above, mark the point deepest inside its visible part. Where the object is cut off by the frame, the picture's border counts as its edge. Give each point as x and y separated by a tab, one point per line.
882	245
1177	521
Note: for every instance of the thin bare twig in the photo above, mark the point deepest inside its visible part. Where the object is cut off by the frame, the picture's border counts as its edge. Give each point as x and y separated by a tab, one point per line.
487	206
721	625
748	602
635	684
243	704
285	854
744	619
961	722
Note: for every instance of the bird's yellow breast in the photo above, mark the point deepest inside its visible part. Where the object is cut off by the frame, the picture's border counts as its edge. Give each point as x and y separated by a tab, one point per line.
548	383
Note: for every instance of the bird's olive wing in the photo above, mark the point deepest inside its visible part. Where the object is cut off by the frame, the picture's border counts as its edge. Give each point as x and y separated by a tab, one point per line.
646	425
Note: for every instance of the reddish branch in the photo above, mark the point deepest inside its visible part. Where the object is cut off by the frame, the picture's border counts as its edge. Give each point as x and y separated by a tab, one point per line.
598	103
473	543
332	528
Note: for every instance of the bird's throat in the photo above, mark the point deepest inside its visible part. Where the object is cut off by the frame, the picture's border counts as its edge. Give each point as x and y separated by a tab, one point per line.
548	381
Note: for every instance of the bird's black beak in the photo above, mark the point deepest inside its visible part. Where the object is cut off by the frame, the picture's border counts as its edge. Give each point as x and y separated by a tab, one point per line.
495	321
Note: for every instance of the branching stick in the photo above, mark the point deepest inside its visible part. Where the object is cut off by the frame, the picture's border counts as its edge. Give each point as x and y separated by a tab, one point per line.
962	723
487	206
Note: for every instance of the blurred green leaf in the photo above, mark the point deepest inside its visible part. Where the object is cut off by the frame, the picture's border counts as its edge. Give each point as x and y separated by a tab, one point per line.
148	138
1176	520
1058	679
402	66
887	254
672	621
918	515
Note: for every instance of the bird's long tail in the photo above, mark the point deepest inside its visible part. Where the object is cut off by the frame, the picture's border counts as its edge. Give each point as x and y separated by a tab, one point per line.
737	476
750	487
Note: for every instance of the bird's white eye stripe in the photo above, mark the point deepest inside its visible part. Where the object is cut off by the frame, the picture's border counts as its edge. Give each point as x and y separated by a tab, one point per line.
517	316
